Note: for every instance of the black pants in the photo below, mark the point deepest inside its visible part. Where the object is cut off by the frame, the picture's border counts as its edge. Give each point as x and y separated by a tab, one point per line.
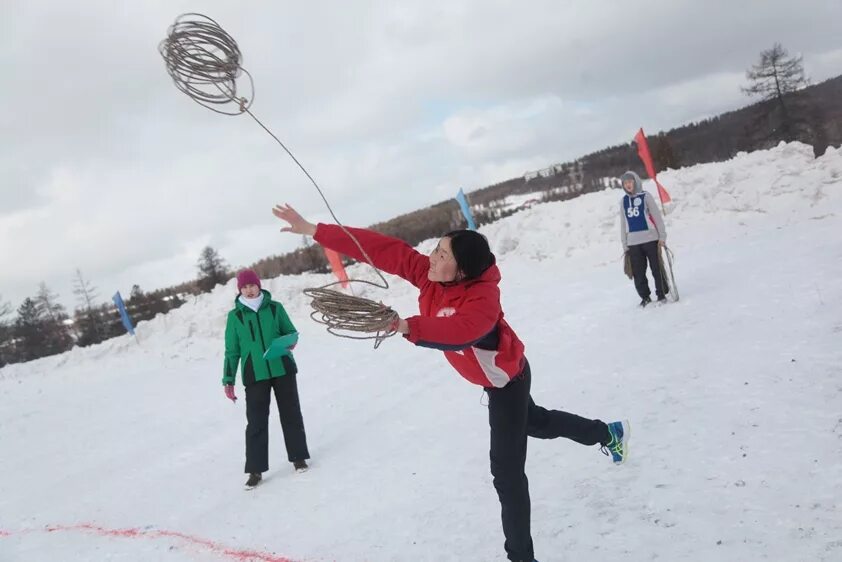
513	415
639	255
258	397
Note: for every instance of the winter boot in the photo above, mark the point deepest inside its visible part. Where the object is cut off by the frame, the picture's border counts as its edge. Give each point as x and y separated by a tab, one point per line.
617	446
254	480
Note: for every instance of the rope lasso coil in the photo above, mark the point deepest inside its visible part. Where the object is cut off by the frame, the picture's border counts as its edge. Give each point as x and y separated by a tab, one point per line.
205	63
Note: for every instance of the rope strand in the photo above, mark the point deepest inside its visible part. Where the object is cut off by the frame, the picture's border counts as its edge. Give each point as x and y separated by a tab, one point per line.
205	62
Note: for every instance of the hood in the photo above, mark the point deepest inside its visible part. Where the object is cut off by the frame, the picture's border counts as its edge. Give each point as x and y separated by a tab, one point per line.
638	184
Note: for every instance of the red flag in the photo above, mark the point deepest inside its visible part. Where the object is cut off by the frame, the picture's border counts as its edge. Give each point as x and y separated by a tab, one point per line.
335	261
643	152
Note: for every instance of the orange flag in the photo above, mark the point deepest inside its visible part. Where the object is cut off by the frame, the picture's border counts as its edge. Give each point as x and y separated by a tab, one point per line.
643	152
335	261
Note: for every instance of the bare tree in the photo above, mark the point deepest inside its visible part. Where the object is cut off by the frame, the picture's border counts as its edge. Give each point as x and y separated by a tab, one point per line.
776	75
5	309
51	319
48	305
84	291
90	329
212	269
137	292
6	334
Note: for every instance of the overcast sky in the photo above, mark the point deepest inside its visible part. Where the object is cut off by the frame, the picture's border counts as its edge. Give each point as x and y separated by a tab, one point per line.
392	105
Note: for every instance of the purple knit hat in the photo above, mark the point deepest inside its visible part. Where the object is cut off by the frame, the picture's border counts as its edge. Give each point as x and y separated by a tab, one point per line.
247	277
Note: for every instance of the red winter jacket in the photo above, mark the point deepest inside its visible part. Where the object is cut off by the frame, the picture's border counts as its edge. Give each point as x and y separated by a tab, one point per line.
465	320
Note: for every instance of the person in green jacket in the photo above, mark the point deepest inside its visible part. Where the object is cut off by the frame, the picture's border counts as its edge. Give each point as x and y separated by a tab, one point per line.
253	323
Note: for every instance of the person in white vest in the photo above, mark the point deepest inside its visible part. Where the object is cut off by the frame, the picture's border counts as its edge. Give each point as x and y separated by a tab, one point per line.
642	232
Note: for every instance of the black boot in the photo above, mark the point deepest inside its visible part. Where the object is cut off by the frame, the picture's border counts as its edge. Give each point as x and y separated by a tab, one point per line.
254	480
644	301
300	466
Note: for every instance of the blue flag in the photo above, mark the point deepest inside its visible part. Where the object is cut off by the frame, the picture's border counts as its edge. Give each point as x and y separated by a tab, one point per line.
466	210
124	316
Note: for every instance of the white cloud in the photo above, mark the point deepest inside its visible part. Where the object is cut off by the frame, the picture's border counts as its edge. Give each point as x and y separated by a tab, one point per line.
390	106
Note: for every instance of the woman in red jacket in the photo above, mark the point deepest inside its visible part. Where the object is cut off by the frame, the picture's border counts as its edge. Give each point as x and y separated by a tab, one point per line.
462	316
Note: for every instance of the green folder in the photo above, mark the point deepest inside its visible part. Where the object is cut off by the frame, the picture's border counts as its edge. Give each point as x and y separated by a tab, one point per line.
280	346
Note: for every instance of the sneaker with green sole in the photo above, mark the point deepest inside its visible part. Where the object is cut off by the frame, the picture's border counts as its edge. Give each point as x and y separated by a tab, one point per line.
618	446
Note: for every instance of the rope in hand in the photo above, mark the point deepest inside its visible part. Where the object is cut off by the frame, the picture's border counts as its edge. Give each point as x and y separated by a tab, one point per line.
205	62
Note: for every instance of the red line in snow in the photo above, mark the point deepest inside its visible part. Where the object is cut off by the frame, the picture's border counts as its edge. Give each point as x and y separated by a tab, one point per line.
233	553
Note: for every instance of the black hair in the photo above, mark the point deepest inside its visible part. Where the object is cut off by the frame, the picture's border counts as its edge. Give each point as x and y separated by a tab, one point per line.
471	252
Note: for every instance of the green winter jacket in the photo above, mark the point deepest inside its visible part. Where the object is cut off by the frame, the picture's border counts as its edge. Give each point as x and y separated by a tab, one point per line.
248	335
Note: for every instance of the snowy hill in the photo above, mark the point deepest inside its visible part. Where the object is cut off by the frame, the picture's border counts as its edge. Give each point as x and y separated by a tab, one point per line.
129	450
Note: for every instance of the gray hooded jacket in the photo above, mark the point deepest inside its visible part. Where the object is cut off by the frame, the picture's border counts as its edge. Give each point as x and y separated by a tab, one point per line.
636	229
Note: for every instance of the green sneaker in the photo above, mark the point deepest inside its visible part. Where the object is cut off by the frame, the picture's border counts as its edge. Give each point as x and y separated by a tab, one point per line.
618	446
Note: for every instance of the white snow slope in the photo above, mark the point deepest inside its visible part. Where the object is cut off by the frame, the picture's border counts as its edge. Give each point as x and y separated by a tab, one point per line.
130	452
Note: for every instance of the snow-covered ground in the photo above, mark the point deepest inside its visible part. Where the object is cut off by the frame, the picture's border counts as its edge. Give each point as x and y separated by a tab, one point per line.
129	451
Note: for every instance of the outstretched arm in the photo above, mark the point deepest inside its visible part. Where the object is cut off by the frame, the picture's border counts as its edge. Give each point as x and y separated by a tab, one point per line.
389	254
